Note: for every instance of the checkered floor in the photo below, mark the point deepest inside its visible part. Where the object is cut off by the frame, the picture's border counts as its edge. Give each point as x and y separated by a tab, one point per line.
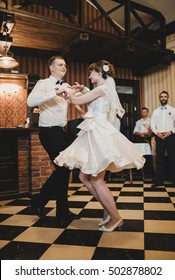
148	232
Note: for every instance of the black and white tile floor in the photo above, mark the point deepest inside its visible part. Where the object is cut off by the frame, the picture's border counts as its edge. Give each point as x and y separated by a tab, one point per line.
148	232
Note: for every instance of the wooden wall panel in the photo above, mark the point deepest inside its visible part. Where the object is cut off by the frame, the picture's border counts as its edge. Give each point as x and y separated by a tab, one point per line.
76	72
43	11
155	82
151	84
33	65
159	79
90	14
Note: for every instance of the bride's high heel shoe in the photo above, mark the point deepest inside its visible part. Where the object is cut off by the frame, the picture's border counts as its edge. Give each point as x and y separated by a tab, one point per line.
104	221
117	225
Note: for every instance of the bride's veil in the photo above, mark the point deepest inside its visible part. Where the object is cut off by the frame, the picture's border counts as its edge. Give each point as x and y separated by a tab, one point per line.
116	107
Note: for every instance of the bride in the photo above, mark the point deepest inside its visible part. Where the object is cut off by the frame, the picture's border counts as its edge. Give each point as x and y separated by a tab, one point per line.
99	145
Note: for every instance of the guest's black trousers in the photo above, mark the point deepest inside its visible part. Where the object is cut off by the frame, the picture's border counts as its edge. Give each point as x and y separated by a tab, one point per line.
169	145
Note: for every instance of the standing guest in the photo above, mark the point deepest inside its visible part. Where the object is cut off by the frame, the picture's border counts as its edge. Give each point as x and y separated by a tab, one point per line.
142	132
163	126
54	138
99	145
142	129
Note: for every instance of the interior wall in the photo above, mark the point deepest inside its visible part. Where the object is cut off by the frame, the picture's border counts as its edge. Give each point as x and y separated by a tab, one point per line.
76	72
159	79
156	80
13	96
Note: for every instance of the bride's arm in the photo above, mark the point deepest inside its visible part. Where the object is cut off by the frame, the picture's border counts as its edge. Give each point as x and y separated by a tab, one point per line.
85	98
80	110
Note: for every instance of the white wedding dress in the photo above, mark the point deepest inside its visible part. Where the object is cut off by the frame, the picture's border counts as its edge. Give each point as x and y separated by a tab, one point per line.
99	144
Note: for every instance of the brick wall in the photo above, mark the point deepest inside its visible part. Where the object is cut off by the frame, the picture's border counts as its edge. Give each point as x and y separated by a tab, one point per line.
34	165
23	164
41	166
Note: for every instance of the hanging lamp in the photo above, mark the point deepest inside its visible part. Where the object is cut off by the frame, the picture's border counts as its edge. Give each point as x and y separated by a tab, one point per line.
6	58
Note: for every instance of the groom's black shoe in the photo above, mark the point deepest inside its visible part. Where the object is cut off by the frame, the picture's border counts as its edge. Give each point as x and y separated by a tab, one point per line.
36	209
66	219
156	185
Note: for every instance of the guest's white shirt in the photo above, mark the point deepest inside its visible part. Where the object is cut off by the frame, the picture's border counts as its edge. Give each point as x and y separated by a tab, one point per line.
142	125
53	108
163	119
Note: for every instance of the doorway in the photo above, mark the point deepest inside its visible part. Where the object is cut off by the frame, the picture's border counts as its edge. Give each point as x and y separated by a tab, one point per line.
129	94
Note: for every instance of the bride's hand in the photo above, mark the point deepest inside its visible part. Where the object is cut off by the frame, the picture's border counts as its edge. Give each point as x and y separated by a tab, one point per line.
60	92
64	91
77	87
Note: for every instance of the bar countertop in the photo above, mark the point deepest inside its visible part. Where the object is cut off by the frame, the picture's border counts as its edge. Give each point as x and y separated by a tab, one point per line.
17	130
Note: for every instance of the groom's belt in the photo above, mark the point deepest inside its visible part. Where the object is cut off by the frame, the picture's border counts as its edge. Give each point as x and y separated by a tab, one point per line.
56	127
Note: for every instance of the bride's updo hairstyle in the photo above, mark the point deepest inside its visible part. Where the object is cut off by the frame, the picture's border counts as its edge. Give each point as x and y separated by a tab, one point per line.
103	66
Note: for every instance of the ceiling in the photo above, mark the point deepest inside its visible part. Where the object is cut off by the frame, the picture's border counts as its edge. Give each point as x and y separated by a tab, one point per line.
164	7
138	41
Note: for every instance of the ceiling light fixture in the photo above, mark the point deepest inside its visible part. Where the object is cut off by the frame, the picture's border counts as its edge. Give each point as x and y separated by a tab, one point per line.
6	59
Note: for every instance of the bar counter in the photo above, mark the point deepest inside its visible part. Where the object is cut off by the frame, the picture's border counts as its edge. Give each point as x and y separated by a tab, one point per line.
24	164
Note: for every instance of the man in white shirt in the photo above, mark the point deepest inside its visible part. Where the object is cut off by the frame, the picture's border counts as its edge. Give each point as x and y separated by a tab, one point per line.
142	128
54	138
142	132
163	126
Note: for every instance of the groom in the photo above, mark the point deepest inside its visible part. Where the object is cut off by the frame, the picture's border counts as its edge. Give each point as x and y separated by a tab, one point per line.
54	138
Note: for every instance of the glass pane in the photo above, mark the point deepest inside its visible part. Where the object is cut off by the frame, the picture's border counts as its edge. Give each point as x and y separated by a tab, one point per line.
124	89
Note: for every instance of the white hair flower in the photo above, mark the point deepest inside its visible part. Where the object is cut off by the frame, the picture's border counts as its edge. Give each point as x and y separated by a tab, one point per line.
106	68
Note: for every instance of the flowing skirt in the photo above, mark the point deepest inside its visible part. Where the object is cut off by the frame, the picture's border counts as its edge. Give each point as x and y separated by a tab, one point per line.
100	146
